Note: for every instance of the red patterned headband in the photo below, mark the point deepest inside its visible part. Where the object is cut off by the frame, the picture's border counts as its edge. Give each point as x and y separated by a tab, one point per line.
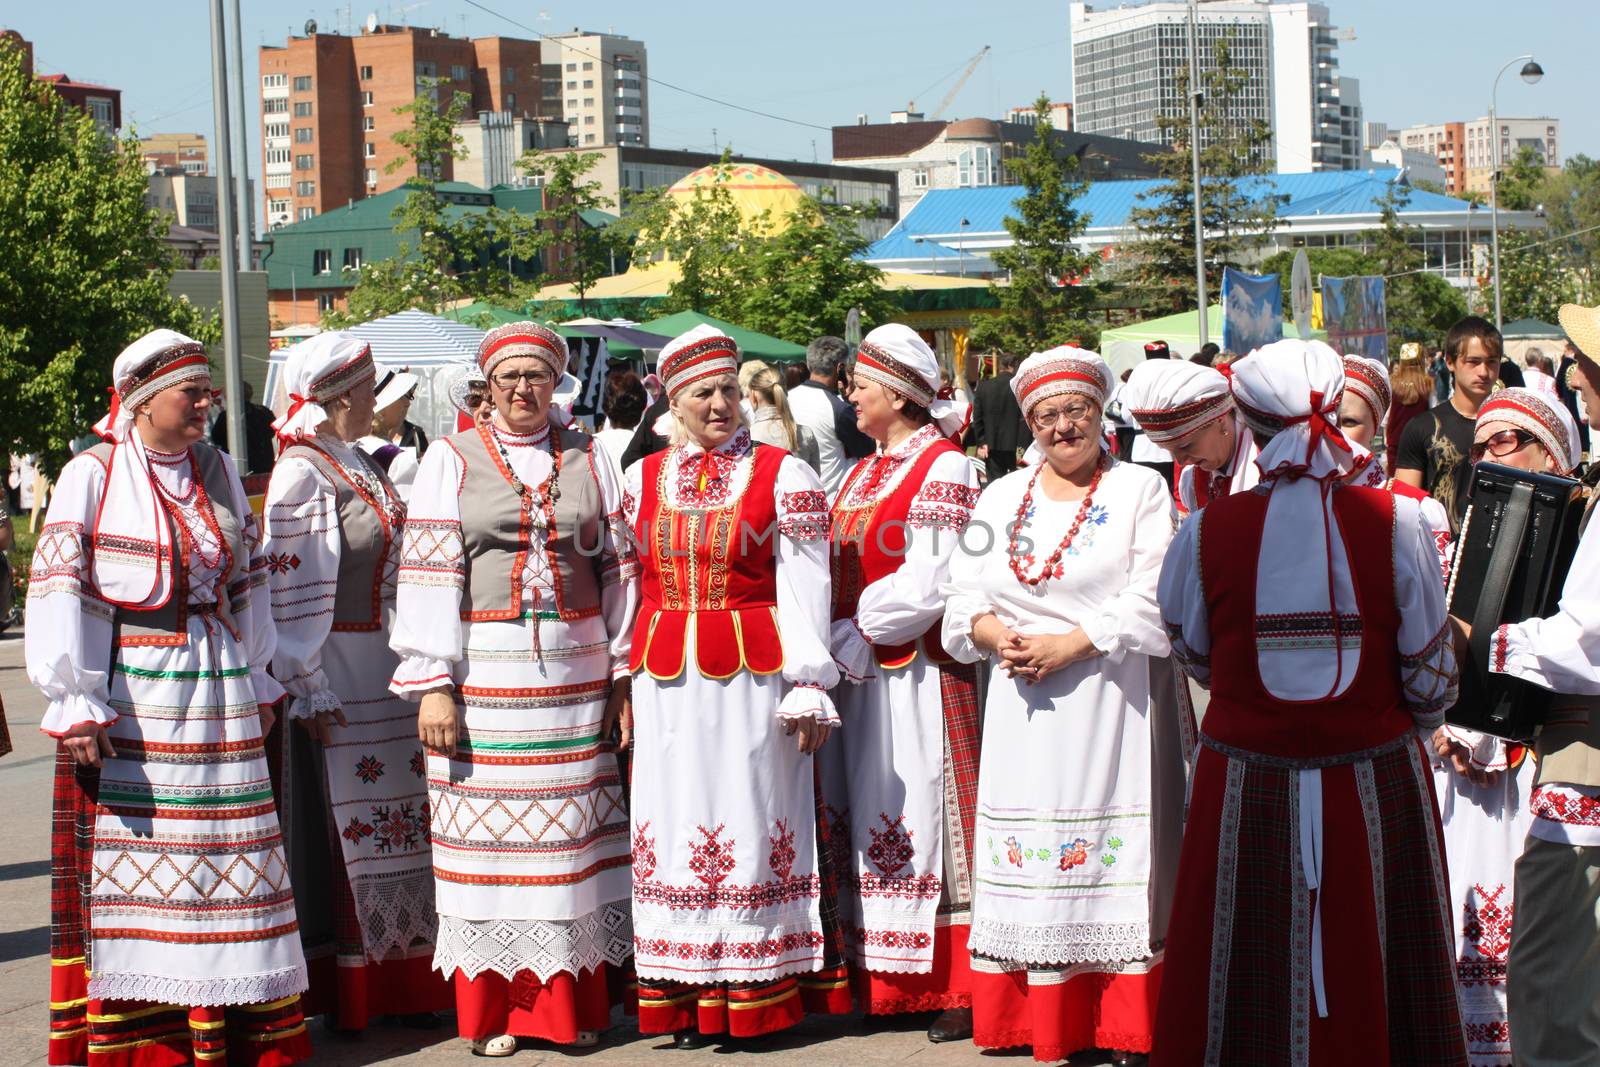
876	365
695	362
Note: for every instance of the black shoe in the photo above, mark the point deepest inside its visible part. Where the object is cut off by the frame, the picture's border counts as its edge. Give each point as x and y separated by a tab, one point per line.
954	1024
689	1039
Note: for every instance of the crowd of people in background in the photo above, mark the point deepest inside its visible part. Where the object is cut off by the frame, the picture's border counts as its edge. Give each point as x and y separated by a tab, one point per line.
794	692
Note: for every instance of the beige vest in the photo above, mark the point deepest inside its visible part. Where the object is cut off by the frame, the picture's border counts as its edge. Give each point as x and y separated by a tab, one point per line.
365	540
497	526
169	624
1568	745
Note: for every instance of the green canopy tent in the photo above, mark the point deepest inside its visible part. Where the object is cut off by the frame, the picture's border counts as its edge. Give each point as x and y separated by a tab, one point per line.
752	344
1123	347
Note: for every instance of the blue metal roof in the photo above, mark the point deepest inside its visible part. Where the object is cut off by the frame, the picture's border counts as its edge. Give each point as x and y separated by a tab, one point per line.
899	245
1108	203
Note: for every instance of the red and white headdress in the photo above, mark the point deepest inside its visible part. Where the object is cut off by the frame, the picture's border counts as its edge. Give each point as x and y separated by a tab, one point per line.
703	352
132	540
319	369
1171	399
1523	409
1368	379
895	357
1061	371
523	339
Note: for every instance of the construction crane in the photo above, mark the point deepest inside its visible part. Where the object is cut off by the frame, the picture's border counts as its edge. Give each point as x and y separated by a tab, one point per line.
956	88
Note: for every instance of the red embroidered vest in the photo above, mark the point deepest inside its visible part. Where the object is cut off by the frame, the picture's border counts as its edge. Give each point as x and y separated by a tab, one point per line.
714	569
1371	711
869	542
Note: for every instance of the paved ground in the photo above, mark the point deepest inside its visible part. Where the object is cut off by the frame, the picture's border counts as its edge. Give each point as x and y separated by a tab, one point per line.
25	778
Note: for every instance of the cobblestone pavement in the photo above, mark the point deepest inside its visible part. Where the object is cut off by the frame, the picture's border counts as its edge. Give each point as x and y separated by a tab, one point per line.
25	779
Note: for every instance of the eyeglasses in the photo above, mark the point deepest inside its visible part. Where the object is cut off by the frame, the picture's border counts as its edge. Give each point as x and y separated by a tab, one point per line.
512	378
1048	418
474	399
1504	443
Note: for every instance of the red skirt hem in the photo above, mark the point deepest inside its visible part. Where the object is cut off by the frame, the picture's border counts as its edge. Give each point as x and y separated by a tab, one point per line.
1090	1010
741	1010
354	995
948	985
490	1005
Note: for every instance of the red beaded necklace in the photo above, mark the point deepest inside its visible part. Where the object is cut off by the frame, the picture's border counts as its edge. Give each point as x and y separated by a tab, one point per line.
1051	564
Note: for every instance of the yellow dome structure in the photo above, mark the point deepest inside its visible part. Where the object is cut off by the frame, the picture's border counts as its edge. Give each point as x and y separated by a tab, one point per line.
755	191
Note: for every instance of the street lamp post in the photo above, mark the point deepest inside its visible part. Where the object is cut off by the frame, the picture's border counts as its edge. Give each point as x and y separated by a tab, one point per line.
1531	72
964	225
1195	93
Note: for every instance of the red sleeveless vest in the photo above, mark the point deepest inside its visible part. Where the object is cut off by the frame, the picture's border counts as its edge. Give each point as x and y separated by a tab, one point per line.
714	569
1371	711
869	542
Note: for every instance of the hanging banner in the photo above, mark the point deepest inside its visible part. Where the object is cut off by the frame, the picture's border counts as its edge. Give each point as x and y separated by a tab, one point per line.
1252	311
1353	314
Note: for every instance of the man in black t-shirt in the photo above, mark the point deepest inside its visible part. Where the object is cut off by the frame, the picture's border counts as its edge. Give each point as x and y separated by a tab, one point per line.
1435	449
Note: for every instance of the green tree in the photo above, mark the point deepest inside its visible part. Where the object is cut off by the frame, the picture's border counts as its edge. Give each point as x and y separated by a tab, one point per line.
1418	305
1571	199
1521	178
564	233
83	267
1534	280
802	281
1049	291
1238	210
704	235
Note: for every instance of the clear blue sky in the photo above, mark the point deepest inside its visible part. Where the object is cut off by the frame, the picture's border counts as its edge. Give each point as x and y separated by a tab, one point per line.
822	63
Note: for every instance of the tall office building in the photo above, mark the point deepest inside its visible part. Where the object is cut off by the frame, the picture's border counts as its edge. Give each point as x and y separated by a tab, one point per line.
605	87
328	107
1129	65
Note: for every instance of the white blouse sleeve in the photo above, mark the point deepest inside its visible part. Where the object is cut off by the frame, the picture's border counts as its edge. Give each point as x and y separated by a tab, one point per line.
433	574
1427	650
1562	652
963	591
805	589
1130	621
67	641
302	546
403	471
249	598
618	564
902	605
1183	602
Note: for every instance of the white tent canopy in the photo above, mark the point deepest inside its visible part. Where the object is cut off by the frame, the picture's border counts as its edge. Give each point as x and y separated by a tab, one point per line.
411	340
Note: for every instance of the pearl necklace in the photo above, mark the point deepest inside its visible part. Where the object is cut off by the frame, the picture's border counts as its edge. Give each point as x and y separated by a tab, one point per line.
1053	563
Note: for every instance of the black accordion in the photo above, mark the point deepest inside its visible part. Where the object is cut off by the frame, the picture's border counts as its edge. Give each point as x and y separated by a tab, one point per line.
1516	543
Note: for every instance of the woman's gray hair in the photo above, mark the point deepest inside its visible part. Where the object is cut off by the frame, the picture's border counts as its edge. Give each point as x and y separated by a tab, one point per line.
826	355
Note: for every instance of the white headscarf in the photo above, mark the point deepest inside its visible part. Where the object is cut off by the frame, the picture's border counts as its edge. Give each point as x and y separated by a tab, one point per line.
1170	399
1291	389
457	381
132	539
1062	371
703	352
895	357
1369	379
1551	424
319	369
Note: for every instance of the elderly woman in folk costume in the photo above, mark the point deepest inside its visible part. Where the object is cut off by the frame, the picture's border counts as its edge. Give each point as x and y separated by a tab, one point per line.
514	529
1187	409
1081	788
468	391
901	781
173	927
356	827
1487	797
1315	612
730	700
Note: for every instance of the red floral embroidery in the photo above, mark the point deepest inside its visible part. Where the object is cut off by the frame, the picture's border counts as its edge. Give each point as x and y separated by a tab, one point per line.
398	827
891	849
893	939
1487	924
369	768
1574	809
703	897
1074	854
419	766
644	852
921	887
1500	650
781	858
665	948
712	860
805	500
281	563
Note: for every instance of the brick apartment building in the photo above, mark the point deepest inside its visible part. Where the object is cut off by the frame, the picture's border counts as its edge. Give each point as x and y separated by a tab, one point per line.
1446	142
182	151
328	107
100	102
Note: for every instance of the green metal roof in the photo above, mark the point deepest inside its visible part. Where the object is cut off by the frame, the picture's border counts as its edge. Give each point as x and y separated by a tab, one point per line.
367	226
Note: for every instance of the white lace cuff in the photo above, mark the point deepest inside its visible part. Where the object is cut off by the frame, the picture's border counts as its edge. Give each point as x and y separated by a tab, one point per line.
66	712
417	675
310	705
808	699
852	652
1484	751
